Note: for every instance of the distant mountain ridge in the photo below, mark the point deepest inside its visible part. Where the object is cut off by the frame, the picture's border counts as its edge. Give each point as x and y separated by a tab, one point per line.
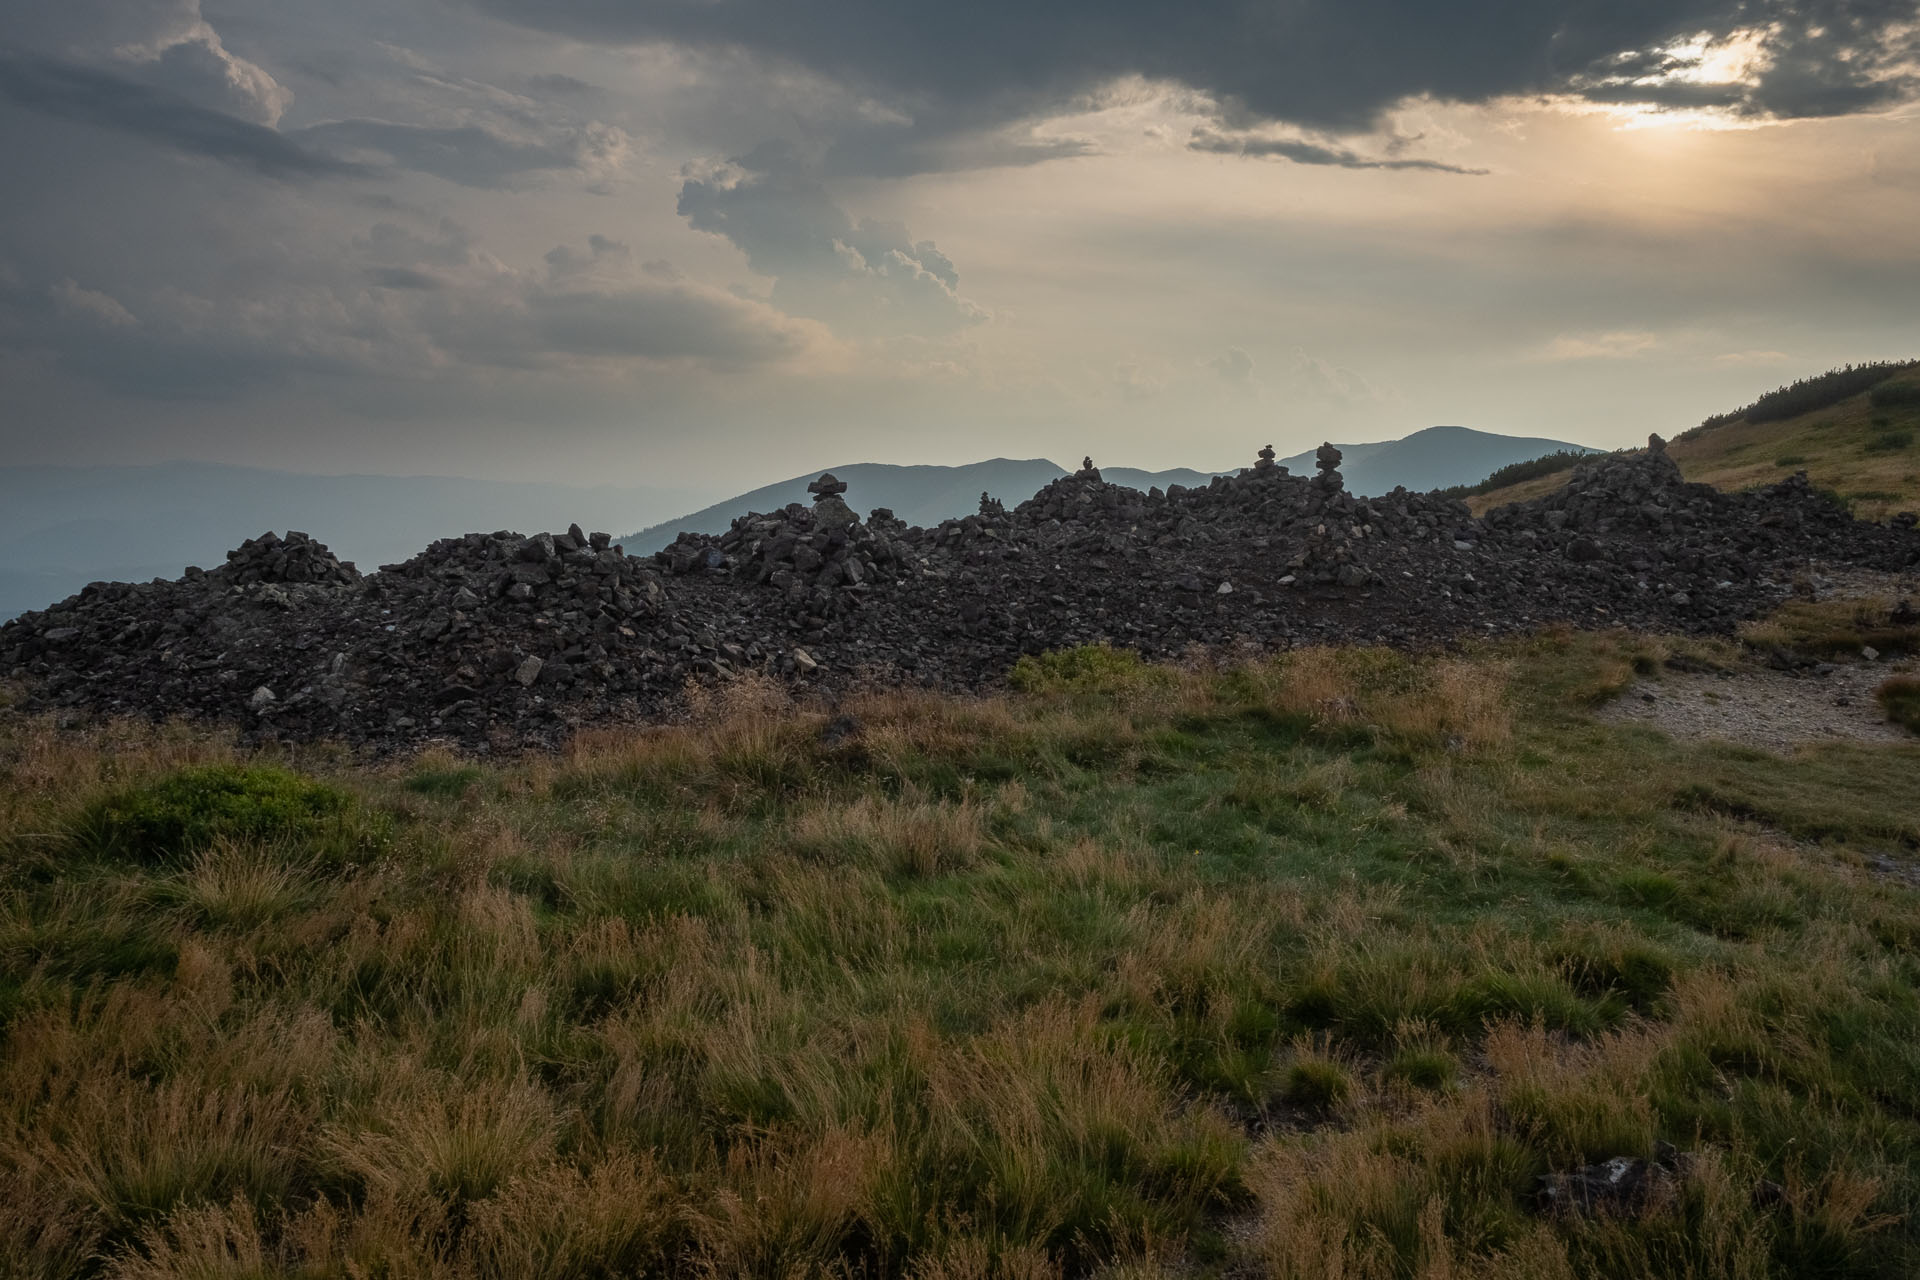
1434	458
922	495
63	527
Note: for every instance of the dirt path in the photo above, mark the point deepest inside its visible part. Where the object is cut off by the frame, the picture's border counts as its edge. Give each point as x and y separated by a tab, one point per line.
1780	710
1772	710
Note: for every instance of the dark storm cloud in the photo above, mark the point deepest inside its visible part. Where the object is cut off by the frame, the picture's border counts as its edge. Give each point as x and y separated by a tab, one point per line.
1303	152
1829	58
1326	64
108	101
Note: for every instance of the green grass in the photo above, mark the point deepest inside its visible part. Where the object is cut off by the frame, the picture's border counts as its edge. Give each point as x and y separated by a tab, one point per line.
1311	966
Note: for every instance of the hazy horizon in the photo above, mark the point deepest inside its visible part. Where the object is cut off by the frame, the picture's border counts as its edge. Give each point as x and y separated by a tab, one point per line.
712	246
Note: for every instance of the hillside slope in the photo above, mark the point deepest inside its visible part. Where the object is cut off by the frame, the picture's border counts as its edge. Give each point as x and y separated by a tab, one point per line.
1863	451
922	495
1436	458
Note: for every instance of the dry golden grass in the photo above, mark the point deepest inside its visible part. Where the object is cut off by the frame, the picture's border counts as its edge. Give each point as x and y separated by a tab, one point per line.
1306	966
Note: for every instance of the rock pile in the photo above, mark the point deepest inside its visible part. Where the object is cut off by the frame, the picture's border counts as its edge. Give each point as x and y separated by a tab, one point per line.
498	640
294	558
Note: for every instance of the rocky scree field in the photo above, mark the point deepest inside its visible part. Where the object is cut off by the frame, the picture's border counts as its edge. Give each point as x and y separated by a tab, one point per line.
491	642
1335	962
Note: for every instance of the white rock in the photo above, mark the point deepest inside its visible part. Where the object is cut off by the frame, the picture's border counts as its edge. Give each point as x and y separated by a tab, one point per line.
262	698
528	671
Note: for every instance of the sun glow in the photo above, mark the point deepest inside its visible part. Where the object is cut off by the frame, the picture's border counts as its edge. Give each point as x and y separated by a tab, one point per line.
1738	59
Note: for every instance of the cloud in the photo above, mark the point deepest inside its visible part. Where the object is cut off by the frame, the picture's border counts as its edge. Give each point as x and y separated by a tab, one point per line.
1136	383
1771	60
1235	366
1301	151
451	245
108	101
165	44
1319	380
1329	65
70	300
474	155
565	262
1618	345
681	322
200	70
871	150
555	85
405	278
867	277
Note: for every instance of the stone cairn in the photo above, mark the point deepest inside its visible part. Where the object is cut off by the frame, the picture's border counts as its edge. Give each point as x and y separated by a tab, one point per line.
1327	460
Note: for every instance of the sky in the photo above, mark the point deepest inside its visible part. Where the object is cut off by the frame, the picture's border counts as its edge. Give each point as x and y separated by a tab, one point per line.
713	243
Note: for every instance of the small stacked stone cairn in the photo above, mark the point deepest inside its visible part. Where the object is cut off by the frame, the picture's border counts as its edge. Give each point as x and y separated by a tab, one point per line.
1327	460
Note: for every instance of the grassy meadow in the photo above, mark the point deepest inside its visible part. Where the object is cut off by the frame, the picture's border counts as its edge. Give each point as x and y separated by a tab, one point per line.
1309	966
1865	453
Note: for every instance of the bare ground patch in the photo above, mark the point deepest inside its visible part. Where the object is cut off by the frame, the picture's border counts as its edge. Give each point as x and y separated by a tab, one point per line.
1775	711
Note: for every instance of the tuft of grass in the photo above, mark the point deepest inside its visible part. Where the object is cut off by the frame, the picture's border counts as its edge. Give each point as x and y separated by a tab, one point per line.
1316	1082
1791	460
1423	1067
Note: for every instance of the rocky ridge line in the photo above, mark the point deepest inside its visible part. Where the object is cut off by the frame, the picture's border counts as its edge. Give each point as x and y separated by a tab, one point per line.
500	641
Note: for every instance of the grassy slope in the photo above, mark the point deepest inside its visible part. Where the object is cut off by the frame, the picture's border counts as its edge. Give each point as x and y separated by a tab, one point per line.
1830	443
1307	965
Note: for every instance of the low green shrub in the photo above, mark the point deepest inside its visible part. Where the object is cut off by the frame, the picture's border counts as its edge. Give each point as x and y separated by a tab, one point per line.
1892	395
1087	668
444	784
192	809
1890	442
1900	698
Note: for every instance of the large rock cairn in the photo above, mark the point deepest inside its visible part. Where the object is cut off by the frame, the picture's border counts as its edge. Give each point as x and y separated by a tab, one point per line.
497	640
294	558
